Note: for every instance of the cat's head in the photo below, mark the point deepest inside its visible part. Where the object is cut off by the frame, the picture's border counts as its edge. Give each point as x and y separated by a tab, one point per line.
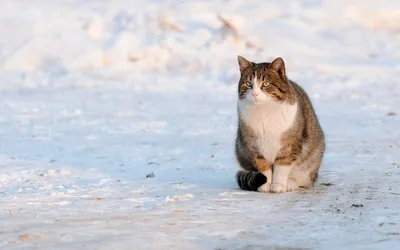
262	82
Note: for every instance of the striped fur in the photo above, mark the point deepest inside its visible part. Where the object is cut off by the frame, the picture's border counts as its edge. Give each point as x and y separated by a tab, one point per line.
250	181
279	135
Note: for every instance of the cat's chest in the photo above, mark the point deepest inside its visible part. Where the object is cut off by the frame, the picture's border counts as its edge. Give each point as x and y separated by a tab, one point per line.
268	124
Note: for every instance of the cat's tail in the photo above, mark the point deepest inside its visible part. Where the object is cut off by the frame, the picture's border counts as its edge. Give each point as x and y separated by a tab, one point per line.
249	180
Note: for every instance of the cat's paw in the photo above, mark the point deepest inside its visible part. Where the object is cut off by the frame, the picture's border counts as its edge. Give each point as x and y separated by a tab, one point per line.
292	185
264	188
277	188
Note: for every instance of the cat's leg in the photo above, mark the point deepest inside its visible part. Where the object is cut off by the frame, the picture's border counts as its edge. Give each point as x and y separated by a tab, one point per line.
266	186
306	173
283	166
266	169
280	177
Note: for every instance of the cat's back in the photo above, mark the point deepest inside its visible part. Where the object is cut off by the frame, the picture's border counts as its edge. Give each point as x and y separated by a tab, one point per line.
300	92
313	126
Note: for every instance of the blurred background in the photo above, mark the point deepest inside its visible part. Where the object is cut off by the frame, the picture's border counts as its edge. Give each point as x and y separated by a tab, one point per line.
193	37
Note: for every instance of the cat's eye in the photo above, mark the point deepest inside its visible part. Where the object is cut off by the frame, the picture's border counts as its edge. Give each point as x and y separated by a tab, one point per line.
249	84
266	84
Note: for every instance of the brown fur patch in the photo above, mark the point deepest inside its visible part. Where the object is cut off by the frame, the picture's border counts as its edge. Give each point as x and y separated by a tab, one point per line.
262	165
289	153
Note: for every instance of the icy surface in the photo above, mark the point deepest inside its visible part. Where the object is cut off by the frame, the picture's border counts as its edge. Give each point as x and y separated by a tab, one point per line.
118	120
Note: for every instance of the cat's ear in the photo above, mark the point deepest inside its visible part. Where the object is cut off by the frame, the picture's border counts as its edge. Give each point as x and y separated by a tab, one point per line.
278	65
244	63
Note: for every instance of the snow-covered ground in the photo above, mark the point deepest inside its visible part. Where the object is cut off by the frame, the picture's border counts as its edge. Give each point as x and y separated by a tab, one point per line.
97	95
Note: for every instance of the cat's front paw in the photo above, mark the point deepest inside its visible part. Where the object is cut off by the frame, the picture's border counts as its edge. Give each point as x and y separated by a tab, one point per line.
277	188
264	188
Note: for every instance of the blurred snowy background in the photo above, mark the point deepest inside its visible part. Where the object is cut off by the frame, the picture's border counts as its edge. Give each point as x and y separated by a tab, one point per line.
118	119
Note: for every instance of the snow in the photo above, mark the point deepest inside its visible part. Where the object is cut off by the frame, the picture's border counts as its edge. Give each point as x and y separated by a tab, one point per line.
96	95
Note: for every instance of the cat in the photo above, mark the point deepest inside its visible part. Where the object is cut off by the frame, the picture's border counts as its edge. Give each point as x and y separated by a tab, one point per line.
279	142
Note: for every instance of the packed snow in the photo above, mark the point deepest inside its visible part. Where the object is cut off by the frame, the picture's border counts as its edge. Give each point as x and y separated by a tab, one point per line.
118	120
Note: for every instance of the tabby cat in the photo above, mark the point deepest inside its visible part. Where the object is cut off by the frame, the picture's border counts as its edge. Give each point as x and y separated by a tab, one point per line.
279	143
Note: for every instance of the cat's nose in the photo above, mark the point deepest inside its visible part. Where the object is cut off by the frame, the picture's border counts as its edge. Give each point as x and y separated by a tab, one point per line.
255	94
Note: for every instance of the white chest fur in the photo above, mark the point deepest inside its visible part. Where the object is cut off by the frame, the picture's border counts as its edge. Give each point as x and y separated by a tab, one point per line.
268	121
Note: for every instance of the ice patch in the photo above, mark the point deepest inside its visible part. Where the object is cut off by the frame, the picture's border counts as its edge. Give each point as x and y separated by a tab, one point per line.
179	197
